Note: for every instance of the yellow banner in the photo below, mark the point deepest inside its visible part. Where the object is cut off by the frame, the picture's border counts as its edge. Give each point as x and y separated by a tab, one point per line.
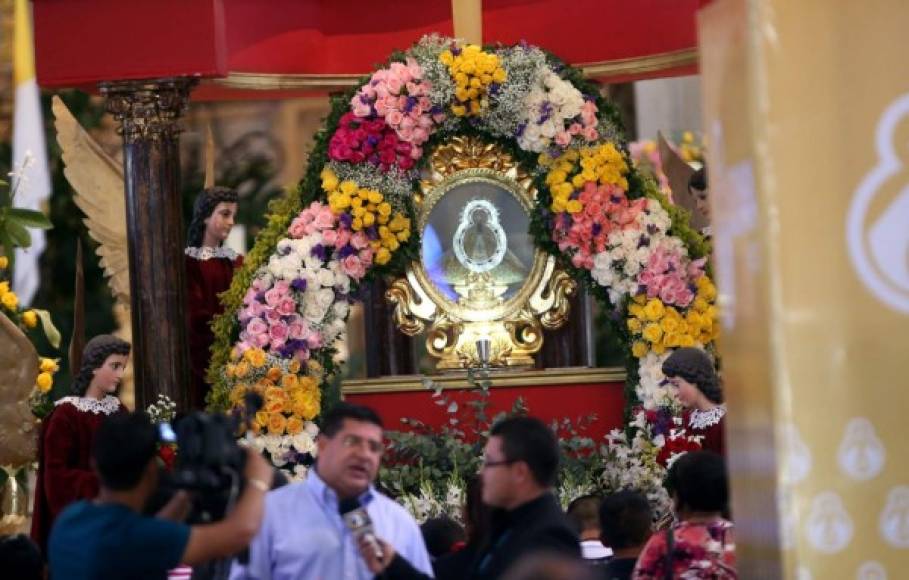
806	108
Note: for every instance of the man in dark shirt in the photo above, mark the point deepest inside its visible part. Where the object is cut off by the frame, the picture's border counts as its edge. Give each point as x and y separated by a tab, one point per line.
109	538
625	525
520	464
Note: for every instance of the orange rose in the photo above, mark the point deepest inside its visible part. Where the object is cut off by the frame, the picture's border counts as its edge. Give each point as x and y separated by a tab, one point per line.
289	381
294	425
275	406
277	423
274	374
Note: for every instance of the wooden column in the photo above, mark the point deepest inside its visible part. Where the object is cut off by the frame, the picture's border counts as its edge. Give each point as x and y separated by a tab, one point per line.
388	350
148	113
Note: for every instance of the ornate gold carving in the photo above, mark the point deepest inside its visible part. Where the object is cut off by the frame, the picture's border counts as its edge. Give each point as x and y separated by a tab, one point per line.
148	110
612	378
513	324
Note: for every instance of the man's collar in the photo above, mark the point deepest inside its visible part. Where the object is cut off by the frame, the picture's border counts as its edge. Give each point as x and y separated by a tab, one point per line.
328	495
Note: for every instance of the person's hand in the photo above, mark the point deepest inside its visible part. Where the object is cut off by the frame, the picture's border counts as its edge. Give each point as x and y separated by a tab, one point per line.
258	468
367	545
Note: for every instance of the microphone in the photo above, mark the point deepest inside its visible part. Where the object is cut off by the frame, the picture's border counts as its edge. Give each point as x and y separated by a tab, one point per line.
357	520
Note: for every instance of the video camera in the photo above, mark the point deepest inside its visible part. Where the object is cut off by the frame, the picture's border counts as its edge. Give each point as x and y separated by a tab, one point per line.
210	463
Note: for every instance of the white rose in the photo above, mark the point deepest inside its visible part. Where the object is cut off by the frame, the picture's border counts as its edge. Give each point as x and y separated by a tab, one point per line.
325	297
326	277
341	309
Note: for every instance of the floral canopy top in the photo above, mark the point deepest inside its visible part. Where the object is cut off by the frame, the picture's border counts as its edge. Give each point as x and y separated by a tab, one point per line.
700	551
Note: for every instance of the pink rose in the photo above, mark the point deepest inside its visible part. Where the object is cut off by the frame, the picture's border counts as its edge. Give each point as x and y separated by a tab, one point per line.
297	229
590	133
353	267
329	236
256	326
262	340
359	240
297	330
314	340
575	128
343	238
420	135
413	67
359	108
563	138
405	134
278	332
286	307
381	107
324	219
394	118
394	85
273	297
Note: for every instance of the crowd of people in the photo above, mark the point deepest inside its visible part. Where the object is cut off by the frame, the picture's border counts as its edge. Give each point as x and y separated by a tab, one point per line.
514	528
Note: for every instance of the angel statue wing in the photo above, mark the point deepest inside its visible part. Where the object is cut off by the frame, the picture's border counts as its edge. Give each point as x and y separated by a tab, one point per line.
18	372
679	172
98	182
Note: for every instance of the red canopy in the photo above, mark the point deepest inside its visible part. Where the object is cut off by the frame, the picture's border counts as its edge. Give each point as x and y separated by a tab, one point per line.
315	45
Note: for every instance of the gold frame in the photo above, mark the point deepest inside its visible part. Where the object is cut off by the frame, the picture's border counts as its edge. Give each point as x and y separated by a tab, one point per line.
515	327
499	379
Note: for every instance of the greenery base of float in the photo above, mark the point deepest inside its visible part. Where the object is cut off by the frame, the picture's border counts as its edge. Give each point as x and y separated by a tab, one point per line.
349	222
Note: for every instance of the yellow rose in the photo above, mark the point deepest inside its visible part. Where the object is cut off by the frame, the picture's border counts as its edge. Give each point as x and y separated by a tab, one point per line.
4	287
310	383
652	332
686	340
669	324
255	357
671	340
634	324
274	374
307	408
658	348
383	256
699	305
392	244
4	262
10	300
446	57
574	206
348	187
639	349
30	319
369	218
654	309
262	418
44	381
294	366
403	235
48	365
277	423
636	310
237	394
329	179
273	393
289	381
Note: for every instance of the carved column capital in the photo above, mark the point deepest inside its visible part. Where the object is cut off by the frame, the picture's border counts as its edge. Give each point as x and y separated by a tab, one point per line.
148	110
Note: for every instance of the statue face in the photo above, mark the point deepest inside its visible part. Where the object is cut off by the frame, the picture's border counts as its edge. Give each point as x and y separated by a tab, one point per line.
220	222
107	377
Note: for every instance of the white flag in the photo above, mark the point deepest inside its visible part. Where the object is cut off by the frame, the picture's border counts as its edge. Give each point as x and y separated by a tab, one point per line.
34	184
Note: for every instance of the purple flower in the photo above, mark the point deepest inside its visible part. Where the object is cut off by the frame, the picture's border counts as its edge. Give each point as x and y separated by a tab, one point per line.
455	50
347	250
435	110
372	233
346	220
411	103
596	229
319	251
520	130
299	284
643	242
494	88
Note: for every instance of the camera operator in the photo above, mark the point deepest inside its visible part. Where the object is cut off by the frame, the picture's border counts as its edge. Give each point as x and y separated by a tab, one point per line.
108	537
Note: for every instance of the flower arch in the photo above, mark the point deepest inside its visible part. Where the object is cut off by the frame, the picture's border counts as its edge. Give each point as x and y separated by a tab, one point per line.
350	220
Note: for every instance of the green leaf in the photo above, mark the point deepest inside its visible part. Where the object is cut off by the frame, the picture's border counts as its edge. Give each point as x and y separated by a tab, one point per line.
50	331
29	218
18	235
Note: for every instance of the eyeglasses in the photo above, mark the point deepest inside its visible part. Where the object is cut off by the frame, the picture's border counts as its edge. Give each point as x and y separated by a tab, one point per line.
487	463
374	446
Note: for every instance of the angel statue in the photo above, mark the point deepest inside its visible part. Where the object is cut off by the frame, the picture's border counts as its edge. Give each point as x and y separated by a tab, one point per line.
98	183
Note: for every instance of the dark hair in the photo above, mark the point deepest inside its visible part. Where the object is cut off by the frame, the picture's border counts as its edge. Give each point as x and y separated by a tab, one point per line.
334	419
625	519
583	513
695	366
21	558
698	179
440	535
94	354
529	440
123	446
205	204
698	480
